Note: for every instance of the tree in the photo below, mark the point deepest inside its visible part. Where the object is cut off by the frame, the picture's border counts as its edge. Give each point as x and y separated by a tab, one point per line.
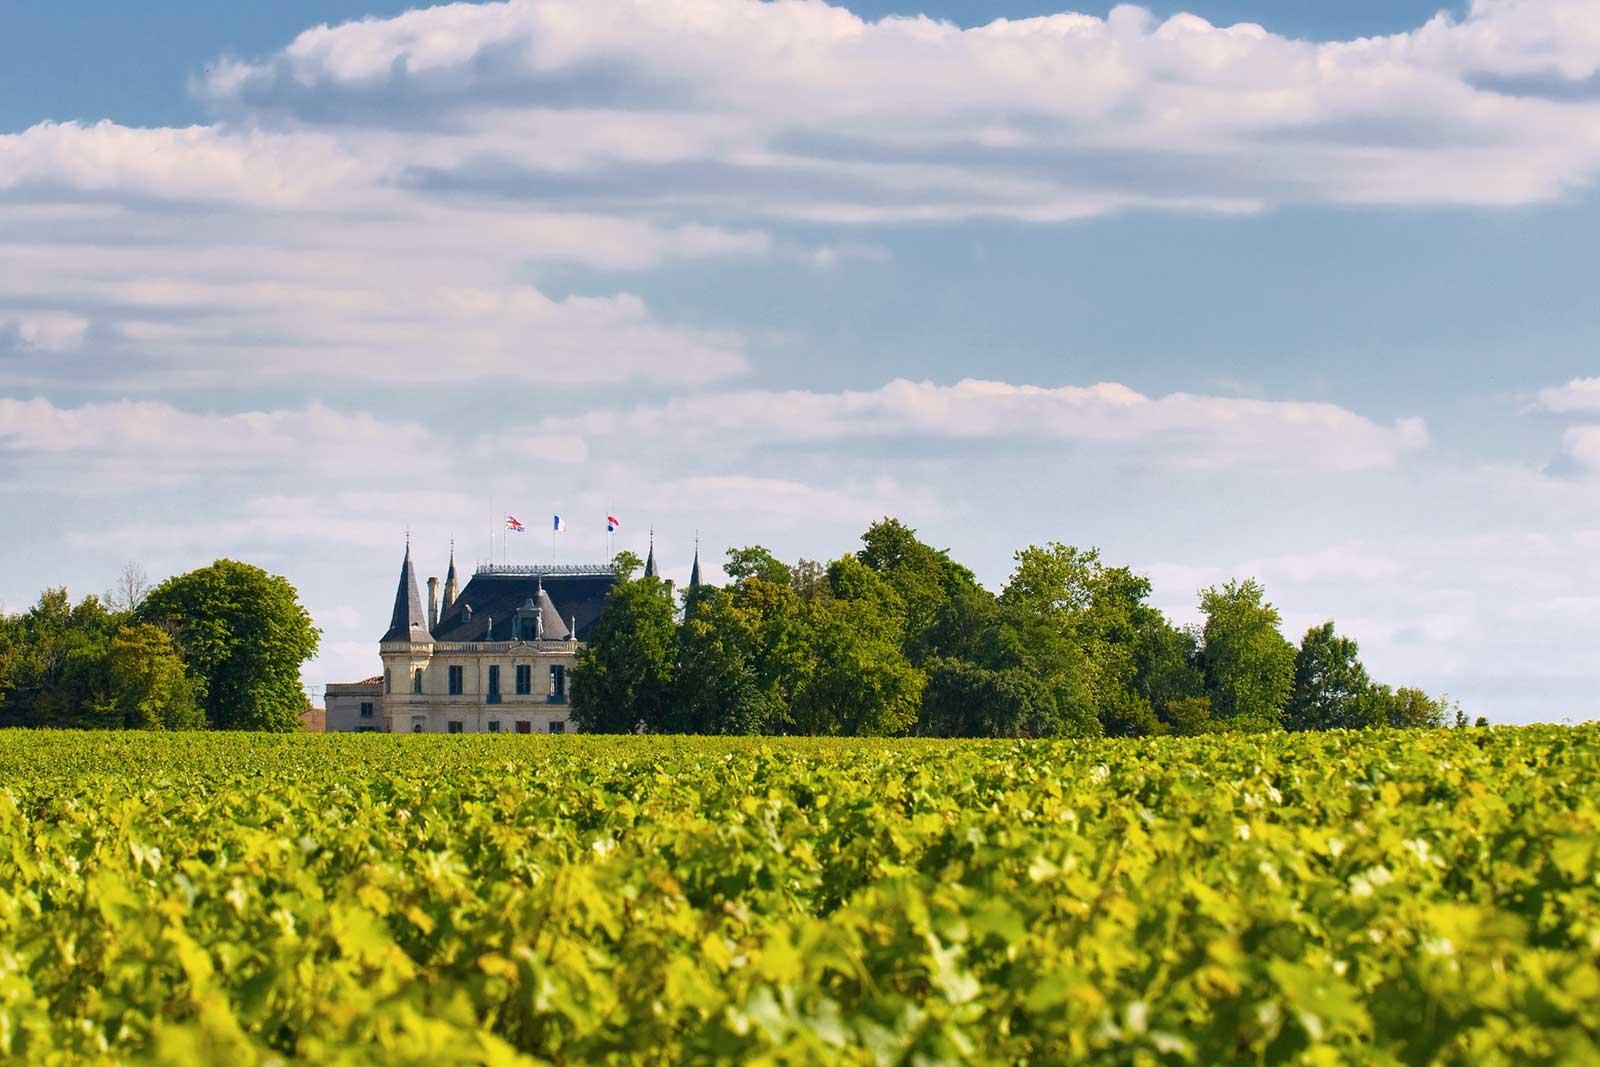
1331	687
965	700
1410	709
1248	665
55	664
244	635
624	563
149	686
856	679
1167	671
923	578
716	688
623	677
755	561
133	585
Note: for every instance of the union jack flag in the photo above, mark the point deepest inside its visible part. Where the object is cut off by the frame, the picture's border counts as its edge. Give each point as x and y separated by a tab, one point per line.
513	524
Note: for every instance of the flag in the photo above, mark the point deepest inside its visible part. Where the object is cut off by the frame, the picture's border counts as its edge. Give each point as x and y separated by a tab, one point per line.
558	526
612	522
513	524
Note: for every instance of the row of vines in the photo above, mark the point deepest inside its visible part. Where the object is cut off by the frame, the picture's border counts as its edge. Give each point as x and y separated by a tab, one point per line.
1378	898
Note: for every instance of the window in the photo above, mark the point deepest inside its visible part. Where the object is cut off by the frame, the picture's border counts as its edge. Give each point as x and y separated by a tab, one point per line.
388	685
366	729
558	685
416	728
366	709
416	681
524	726
524	680
453	726
494	684
558	727
455	681
494	726
525	628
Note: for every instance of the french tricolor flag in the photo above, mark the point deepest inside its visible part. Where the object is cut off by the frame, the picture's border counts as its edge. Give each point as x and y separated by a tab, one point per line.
558	526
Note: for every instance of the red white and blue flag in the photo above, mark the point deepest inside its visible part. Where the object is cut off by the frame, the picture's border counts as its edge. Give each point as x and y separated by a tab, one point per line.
513	524
558	526
612	522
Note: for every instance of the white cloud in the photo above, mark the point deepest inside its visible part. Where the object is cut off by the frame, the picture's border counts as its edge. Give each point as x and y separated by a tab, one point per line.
805	110
1579	396
129	445
1180	429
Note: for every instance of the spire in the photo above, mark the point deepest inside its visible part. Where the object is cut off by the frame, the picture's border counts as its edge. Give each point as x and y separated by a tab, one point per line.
650	560
408	622
449	583
694	573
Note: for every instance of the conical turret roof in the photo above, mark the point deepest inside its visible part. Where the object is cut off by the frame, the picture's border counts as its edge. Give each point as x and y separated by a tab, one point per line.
409	622
551	626
650	560
694	572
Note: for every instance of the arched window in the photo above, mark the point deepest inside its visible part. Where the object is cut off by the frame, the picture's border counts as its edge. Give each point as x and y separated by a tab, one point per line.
416	681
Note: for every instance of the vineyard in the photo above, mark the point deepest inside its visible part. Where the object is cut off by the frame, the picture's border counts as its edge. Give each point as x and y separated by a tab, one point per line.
1376	898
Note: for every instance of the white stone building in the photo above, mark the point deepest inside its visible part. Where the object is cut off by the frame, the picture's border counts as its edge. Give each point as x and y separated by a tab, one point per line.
495	657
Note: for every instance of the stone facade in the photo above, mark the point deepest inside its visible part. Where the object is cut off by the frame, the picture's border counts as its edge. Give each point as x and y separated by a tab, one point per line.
497	658
354	707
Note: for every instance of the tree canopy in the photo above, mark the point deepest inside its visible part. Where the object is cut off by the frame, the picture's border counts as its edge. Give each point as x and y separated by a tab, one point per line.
897	638
244	636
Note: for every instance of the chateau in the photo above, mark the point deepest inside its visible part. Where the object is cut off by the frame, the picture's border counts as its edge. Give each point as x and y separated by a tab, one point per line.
495	657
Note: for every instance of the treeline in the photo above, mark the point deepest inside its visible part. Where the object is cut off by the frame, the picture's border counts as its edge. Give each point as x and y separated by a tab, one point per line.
898	638
219	647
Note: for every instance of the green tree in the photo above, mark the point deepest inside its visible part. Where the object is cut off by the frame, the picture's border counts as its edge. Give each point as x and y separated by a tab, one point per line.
923	578
623	677
1096	615
244	636
1167	671
1331	687
1410	709
1248	665
754	561
55	661
964	699
149	685
856	679
715	688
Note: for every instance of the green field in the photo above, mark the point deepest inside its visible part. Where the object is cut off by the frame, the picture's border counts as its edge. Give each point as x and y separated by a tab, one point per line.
1373	898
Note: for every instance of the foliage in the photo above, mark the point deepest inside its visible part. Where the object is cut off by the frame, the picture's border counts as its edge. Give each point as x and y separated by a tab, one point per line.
150	688
898	638
1248	665
1331	687
1313	898
54	662
244	636
623	677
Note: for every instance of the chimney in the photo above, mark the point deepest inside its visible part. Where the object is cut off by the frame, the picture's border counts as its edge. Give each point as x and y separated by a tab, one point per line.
433	604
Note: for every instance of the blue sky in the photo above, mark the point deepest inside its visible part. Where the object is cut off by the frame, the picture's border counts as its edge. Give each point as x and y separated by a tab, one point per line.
1308	300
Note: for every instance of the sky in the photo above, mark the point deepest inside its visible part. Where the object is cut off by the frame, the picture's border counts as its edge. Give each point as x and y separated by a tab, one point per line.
1272	288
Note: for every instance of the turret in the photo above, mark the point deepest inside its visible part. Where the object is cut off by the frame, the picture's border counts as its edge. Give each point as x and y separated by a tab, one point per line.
450	590
407	623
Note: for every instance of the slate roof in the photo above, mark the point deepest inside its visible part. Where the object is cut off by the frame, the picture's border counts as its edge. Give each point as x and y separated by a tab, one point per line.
498	596
408	622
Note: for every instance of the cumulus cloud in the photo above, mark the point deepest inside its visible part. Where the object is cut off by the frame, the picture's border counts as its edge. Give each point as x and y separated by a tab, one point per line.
1180	429
806	110
1579	396
129	445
